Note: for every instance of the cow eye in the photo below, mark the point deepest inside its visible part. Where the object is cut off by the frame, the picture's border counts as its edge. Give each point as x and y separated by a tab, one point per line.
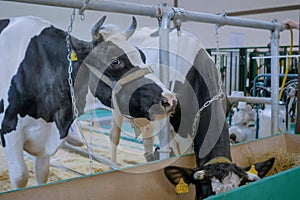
116	62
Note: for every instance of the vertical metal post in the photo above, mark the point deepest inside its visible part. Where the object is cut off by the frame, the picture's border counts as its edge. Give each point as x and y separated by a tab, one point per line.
274	80
297	127
164	25
243	69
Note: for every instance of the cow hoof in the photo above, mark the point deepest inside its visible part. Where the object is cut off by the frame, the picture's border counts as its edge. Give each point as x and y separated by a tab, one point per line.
149	156
74	141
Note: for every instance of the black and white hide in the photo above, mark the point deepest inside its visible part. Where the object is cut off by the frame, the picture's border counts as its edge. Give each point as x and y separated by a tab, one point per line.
182	54
215	171
35	102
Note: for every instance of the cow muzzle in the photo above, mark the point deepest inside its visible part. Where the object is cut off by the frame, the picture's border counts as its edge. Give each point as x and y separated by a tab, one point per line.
164	107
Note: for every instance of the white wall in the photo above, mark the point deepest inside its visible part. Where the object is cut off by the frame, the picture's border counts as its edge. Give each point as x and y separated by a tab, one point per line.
229	36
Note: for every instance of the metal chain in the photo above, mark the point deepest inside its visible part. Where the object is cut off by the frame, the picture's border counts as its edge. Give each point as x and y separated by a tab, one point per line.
72	93
220	94
70	68
91	125
83	8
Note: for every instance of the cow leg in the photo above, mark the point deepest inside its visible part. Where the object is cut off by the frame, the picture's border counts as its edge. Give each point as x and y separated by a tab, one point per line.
73	138
115	134
173	143
41	169
18	172
181	145
148	140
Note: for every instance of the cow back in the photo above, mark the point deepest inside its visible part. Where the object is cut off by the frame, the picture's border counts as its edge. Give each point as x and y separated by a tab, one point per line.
14	40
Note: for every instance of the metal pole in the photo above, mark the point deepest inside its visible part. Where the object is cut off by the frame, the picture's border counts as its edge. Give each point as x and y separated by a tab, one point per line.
103	5
250	99
297	126
164	26
155	11
233	21
274	80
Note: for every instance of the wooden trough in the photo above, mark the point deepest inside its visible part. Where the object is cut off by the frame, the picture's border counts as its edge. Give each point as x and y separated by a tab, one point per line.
147	181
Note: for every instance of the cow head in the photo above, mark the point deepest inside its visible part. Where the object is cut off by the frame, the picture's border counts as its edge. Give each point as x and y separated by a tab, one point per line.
215	178
120	78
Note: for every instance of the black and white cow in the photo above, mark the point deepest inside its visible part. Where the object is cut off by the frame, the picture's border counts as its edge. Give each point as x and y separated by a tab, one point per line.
36	107
215	171
181	53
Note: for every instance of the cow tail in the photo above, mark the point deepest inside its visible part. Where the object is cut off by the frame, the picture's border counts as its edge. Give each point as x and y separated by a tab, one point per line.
1	134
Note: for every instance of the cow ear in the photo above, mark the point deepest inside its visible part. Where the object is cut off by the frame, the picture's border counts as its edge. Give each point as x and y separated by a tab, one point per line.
174	174
263	167
80	47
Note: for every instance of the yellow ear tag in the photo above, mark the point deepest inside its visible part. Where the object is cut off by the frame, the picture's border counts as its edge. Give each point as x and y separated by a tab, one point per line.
181	187
253	170
74	56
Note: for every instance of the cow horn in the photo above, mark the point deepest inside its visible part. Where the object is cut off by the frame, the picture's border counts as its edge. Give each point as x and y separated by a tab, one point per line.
199	175
131	28
95	30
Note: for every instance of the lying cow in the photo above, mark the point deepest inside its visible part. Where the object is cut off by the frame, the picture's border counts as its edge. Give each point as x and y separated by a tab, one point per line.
215	171
36	108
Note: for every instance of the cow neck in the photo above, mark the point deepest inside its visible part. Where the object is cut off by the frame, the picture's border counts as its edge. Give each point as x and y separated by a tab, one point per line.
218	160
100	75
116	86
122	82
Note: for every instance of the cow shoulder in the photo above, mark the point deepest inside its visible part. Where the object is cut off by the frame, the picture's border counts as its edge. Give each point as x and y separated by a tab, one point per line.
40	88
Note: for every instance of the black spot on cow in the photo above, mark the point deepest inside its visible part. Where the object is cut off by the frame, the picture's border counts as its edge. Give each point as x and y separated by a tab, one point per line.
1	106
3	24
1	111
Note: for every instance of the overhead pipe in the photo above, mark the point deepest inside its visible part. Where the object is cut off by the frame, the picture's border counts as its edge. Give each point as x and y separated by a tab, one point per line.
103	5
155	11
250	99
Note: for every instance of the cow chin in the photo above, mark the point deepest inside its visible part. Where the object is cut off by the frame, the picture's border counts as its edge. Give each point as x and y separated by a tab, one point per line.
150	112
156	117
158	112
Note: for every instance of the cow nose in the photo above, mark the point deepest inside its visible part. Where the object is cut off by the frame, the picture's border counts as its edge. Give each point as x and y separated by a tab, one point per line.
169	101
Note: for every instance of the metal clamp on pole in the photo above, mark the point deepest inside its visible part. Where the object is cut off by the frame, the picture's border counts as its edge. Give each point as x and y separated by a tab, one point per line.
178	14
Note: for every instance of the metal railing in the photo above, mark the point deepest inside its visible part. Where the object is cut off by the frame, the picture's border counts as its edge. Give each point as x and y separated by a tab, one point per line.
241	66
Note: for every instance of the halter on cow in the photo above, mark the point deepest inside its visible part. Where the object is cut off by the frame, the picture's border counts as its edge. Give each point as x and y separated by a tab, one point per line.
36	106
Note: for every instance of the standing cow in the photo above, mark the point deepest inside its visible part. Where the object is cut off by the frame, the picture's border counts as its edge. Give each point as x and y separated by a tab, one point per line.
35	101
182	53
215	171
